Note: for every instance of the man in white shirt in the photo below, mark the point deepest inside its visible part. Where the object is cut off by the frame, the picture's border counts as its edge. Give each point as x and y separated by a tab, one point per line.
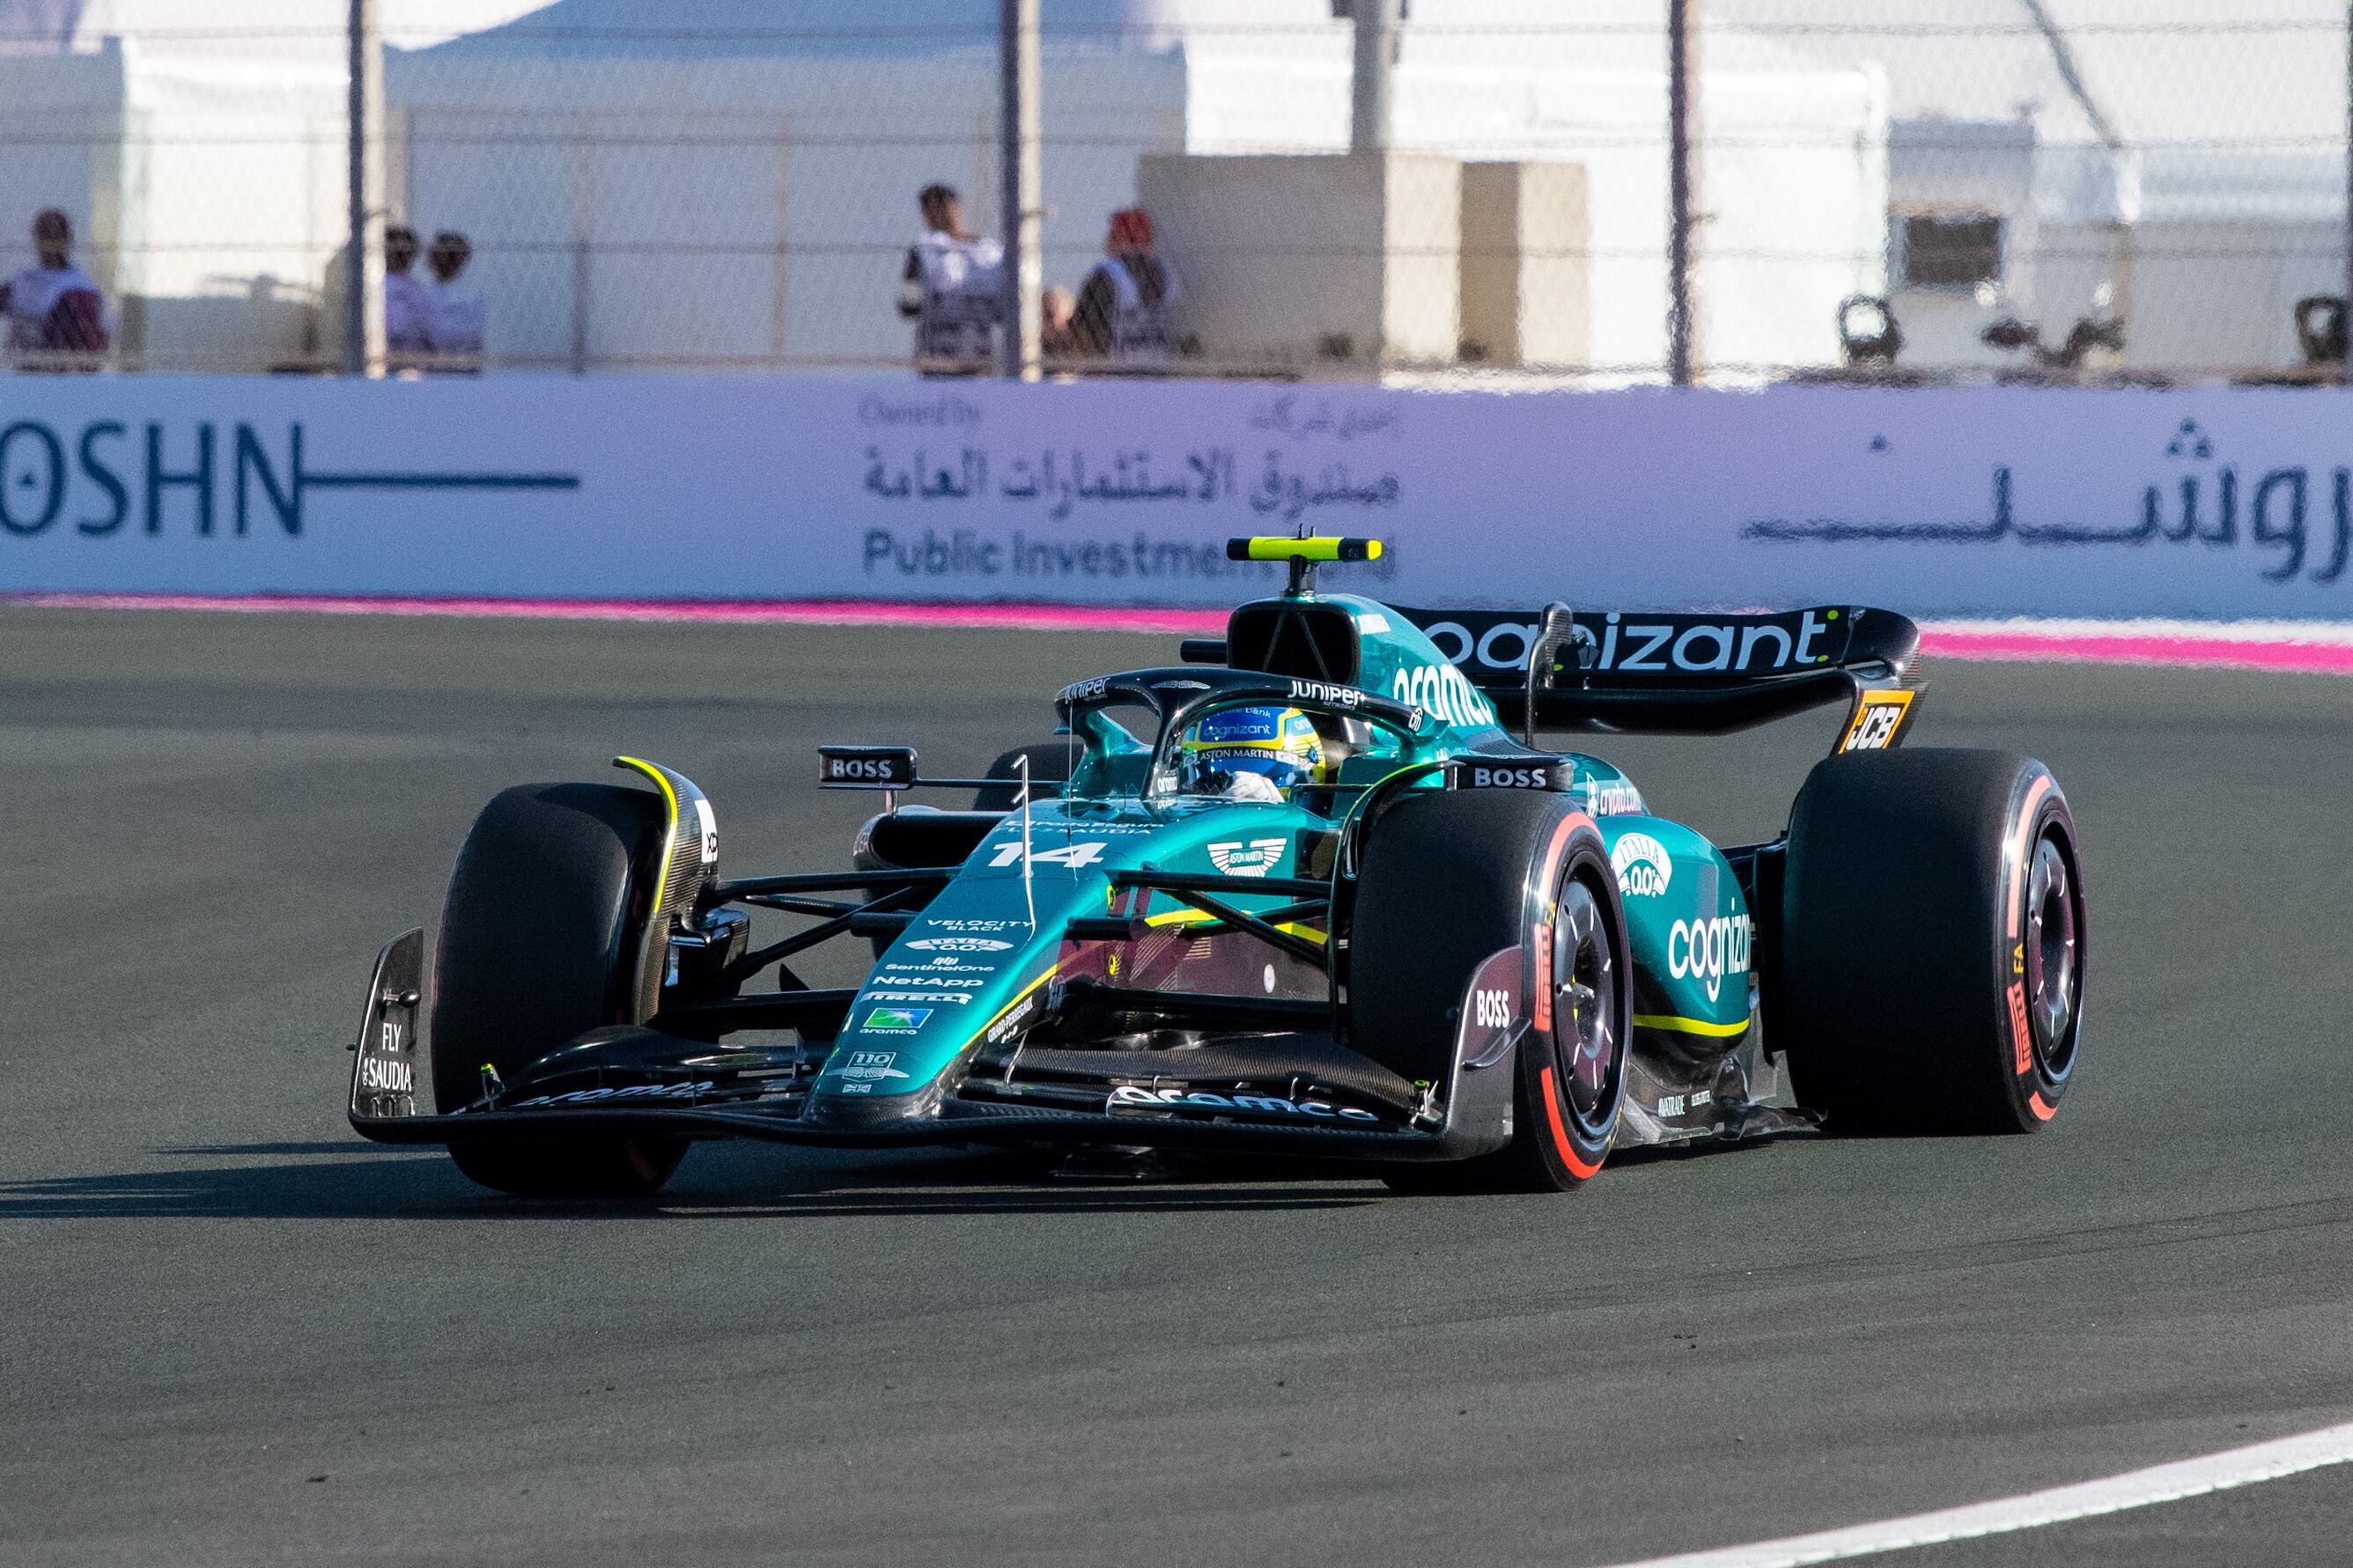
57	317
407	307
952	288
456	315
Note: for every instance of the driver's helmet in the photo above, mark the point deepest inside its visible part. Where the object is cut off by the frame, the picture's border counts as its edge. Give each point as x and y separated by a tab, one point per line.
1252	753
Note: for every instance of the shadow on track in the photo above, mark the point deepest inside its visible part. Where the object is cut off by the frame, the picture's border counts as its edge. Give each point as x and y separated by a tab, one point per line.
365	1182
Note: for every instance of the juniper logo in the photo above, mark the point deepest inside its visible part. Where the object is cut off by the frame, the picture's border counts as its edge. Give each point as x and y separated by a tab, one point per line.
1255	858
1643	867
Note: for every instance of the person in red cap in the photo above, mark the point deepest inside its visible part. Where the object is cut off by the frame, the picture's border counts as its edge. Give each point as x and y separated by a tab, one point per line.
57	317
1123	309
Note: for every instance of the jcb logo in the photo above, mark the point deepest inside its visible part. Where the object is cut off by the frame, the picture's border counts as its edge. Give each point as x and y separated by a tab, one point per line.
1491	1009
1879	722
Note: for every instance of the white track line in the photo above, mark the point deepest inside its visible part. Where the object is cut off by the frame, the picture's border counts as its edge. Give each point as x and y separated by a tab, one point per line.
2136	1488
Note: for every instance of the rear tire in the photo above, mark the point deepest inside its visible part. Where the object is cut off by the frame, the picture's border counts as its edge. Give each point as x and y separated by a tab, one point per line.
1933	943
539	943
1449	878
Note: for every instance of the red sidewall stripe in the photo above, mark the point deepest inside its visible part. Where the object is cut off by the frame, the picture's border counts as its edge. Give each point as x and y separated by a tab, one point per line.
1581	1169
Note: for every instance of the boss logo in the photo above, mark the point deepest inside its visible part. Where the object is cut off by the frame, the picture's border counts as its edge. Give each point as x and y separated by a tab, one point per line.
1491	1009
1543	775
866	767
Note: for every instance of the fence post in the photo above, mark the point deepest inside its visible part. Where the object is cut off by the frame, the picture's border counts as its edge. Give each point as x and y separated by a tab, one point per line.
1373	90
1682	25
363	236
1019	348
583	234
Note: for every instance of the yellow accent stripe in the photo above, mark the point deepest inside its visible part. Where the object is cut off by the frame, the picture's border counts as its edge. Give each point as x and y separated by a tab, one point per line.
1052	970
670	833
1203	916
1690	1025
1264	548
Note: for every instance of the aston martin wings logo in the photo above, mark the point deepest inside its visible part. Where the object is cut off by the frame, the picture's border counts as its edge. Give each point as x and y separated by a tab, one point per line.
1255	858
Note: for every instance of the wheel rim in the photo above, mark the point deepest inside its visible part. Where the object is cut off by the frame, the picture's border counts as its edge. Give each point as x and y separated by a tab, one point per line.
2053	957
1585	1022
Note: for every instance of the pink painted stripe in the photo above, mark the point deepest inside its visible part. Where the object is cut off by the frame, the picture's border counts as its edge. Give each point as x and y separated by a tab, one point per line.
754	612
2213	647
2130	648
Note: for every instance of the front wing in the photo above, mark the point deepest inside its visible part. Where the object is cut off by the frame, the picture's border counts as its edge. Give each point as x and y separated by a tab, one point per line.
637	1081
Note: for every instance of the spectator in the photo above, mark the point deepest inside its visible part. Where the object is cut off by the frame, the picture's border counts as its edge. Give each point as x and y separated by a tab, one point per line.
1058	311
54	311
951	288
455	314
1122	313
407	308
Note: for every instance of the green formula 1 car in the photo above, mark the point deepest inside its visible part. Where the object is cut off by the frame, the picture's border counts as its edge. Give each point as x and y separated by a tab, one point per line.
1315	891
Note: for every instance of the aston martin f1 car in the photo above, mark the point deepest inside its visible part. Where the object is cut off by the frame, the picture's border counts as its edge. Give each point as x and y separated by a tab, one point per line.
1315	891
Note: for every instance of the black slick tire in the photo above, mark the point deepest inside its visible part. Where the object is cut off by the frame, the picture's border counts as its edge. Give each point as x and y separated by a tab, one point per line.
1933	943
1448	879
539	942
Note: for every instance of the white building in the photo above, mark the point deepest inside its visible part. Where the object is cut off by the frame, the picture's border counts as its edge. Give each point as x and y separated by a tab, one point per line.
730	182
198	147
2180	162
725	188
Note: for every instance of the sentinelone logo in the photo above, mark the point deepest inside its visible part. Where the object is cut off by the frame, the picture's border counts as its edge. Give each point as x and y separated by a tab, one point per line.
92	478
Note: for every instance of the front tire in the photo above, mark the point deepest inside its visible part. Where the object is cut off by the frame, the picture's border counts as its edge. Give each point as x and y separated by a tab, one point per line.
1449	878
540	939
1933	943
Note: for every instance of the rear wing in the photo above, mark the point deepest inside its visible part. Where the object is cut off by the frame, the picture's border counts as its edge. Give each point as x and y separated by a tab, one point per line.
1682	674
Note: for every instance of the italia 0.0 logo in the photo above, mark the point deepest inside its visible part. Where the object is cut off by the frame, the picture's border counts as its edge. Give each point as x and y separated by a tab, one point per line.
1643	866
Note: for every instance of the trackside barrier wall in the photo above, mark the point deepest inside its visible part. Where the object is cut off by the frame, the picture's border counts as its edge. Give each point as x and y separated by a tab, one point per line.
2216	502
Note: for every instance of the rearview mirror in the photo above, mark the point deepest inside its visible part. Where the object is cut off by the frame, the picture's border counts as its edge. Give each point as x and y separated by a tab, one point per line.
866	767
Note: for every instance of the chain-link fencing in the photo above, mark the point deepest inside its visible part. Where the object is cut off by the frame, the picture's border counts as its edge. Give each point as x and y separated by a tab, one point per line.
1906	189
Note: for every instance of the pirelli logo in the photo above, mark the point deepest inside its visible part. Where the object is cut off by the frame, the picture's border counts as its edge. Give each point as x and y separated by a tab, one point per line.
1878	722
2021	1034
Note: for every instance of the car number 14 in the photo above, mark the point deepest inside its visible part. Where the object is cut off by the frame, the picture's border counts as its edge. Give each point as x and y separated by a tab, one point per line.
1071	855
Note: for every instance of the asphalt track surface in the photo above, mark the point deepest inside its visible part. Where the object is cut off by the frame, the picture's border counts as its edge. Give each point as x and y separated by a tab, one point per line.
232	1332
